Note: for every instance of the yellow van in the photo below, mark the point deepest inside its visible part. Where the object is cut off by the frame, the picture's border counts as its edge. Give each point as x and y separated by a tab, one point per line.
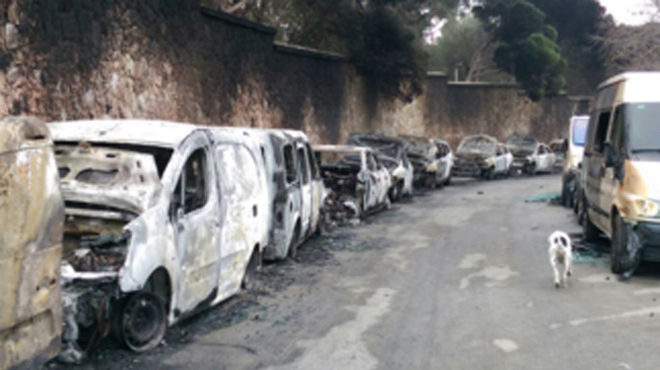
621	169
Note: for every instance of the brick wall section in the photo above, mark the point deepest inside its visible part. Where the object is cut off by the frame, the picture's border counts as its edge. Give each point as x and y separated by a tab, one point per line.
170	59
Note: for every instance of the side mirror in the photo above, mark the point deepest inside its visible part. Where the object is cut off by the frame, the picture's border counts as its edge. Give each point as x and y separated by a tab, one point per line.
608	150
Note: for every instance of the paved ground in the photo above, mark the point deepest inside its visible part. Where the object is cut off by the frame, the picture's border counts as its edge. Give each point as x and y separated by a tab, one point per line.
454	279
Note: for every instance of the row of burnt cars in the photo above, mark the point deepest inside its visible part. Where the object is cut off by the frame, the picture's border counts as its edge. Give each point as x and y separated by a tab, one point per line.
371	171
483	156
123	228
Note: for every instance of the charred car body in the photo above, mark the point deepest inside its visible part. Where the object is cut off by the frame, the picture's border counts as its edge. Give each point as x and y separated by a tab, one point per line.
432	160
161	219
393	154
355	175
32	217
481	156
529	155
295	191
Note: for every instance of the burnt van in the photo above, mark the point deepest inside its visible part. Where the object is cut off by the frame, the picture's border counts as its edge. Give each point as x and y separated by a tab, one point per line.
31	219
162	220
621	169
295	190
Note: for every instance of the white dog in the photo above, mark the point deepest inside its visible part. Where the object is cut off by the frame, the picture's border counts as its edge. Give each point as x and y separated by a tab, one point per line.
561	253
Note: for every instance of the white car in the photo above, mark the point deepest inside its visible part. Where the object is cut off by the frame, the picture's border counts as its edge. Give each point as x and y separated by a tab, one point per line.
445	158
482	156
541	160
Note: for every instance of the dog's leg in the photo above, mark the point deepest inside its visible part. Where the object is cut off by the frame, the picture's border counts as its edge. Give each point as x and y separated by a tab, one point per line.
553	263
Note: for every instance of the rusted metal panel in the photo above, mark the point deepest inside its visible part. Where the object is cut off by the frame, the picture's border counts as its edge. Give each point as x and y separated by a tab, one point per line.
31	218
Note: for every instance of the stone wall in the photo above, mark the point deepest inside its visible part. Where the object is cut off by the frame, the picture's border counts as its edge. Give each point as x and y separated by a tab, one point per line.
170	59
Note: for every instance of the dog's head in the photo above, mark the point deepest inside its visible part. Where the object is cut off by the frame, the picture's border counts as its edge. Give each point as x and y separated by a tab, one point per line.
560	240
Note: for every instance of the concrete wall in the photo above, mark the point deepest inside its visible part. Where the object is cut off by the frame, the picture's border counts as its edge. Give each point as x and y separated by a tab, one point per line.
168	59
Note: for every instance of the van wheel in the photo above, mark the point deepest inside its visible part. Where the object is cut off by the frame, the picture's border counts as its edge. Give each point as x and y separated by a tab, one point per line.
619	250
448	181
293	245
143	321
564	195
590	232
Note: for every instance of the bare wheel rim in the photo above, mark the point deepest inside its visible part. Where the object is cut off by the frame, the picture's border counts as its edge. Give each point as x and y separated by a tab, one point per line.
143	322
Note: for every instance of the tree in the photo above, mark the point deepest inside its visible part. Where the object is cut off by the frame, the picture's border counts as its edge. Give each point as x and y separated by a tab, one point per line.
467	44
625	48
382	37
526	46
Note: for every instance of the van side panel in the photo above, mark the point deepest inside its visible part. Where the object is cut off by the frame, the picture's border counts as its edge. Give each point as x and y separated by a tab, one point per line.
31	216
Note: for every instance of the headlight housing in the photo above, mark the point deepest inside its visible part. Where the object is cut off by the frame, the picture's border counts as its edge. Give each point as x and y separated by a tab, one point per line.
646	207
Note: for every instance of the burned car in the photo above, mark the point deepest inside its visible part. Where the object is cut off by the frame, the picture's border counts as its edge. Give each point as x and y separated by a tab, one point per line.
481	156
393	154
559	147
432	160
295	190
32	217
354	173
162	219
530	155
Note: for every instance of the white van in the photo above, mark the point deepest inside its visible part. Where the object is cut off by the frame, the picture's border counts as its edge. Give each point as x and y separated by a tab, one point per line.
574	150
621	169
295	190
162	219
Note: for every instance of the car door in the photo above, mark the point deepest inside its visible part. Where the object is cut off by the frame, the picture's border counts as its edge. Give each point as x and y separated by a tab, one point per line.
306	188
541	158
500	159
384	181
238	172
596	171
317	188
195	214
609	183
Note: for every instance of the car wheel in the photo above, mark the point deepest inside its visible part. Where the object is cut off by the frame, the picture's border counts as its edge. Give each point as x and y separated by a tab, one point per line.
619	249
398	190
143	322
488	174
590	232
250	277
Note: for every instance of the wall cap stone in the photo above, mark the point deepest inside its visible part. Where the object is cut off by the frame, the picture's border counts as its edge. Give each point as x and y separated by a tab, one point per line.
242	22
309	52
480	84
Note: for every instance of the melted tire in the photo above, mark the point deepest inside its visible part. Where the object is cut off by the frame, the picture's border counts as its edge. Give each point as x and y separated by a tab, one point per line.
142	323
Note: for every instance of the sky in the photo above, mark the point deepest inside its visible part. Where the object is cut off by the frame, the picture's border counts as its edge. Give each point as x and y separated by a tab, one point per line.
633	12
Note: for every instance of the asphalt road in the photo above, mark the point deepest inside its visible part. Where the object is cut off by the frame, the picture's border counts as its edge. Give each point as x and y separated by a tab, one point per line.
453	279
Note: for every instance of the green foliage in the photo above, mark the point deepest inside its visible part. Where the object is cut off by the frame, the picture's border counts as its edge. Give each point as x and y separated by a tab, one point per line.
527	46
387	53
